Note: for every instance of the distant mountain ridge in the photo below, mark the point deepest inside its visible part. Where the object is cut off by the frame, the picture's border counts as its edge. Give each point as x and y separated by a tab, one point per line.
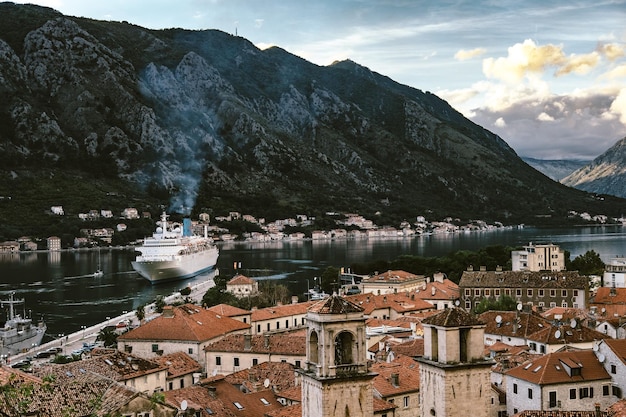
556	169
604	175
205	120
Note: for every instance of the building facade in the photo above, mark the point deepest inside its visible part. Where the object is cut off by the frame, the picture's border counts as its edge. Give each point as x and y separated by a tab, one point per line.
538	258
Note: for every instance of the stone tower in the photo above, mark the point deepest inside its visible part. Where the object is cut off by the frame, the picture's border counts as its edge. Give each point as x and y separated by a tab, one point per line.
454	374
336	381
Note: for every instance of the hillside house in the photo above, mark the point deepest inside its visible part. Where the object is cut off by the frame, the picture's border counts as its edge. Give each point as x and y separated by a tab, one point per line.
241	286
392	282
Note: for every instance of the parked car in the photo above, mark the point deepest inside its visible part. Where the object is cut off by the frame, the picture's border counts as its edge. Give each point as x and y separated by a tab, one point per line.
43	354
21	364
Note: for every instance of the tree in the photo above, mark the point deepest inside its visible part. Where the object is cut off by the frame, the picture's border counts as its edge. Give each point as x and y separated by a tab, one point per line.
329	279
108	336
504	303
141	312
589	263
159	303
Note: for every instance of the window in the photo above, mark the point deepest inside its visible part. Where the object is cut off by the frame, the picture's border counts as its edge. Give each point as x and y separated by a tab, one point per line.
287	323
552	399
182	383
277	325
583	392
477	292
530	393
468	305
518	292
605	390
406	401
575	293
218	360
572	394
552	304
487	292
268	327
563	293
514	388
507	291
236	361
170	385
255	361
298	364
497	292
190	351
613	369
155	347
258	328
529	292
617	391
540	293
552	293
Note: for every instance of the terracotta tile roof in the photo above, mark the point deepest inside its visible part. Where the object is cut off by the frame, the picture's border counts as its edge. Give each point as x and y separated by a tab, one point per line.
453	317
565	314
446	290
293	393
335	305
118	366
618	346
372	322
178	364
240	280
552	368
278	376
285	344
381	405
401	302
617	409
412	348
253	404
281	311
525	279
607	295
513	323
228	310
408	376
578	334
394	276
199	398
188	322
289	411
16	376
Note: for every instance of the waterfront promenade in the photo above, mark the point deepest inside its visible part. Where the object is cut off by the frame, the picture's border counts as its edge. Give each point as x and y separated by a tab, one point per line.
88	334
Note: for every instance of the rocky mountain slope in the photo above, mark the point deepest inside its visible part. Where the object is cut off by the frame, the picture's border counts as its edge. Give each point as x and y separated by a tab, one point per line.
556	169
204	119
604	175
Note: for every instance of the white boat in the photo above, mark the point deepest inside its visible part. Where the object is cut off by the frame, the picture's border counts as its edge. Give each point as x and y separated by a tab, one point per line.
18	333
99	272
175	253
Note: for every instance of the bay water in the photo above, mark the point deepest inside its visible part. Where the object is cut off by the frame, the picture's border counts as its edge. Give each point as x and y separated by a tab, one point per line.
59	286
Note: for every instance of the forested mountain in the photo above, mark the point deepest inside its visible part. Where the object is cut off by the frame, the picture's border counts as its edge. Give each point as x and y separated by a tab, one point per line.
204	120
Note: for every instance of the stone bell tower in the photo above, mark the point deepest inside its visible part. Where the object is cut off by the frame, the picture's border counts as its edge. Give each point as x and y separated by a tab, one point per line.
454	374
336	381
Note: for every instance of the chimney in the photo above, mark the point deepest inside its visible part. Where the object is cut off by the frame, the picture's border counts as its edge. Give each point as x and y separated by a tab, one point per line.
211	390
433	290
498	268
294	299
470	268
395	380
438	277
168	311
247	341
266	341
483	268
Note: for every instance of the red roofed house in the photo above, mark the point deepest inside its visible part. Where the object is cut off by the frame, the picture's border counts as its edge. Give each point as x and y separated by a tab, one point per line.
278	318
398	382
188	328
241	351
242	286
392	282
612	354
440	292
390	306
569	380
182	370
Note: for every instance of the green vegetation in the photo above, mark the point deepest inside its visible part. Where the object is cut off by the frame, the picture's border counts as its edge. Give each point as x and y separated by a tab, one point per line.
589	263
504	303
270	294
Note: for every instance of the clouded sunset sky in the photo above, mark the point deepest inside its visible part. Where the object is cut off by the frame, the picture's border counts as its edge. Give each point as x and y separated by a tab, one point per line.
549	77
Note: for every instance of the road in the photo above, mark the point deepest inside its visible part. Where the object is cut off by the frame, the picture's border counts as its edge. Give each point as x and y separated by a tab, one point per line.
74	341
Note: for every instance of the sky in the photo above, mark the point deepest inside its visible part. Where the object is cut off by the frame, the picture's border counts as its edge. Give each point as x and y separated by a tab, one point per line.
548	76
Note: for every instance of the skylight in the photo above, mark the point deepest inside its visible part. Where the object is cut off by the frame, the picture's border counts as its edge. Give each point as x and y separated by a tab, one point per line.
239	406
264	401
537	368
528	366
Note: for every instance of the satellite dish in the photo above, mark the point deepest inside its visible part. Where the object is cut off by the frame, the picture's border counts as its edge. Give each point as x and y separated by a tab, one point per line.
519	307
557	334
214	372
601	358
183	405
457	302
603	310
595	347
266	383
498	319
573	323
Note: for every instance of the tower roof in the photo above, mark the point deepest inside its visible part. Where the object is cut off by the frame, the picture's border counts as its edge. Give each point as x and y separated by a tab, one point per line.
335	305
453	317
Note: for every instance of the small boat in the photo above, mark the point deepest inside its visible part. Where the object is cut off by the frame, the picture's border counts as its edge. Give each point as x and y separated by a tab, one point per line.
174	253
99	272
18	333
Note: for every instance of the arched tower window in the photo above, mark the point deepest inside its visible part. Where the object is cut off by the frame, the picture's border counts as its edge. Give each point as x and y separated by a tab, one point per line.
344	342
313	347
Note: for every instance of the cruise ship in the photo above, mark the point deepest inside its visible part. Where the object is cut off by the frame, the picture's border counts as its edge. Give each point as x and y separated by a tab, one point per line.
18	333
174	253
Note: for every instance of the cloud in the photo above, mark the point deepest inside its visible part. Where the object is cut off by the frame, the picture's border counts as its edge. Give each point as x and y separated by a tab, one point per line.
619	105
616	73
258	23
523	58
464	55
612	51
579	64
545	117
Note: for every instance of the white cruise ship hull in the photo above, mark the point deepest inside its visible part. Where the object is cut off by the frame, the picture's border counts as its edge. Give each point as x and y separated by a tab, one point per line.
176	267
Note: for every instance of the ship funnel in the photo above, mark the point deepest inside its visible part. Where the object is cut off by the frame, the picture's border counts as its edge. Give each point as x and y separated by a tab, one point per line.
187	227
